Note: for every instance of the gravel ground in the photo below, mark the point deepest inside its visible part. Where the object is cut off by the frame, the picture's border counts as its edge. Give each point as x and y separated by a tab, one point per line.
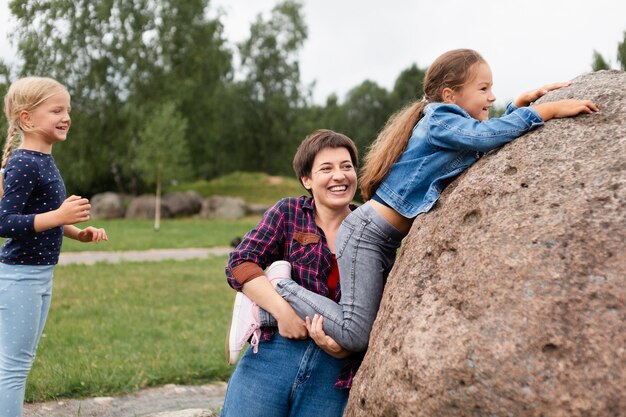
167	401
90	258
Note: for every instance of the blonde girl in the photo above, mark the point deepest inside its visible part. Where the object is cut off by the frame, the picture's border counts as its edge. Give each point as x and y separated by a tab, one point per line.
34	215
419	152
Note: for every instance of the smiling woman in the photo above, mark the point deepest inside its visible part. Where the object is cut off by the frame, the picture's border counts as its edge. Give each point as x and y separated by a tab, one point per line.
332	180
297	237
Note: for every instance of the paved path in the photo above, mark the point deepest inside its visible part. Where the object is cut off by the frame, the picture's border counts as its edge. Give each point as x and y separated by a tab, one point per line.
166	401
90	258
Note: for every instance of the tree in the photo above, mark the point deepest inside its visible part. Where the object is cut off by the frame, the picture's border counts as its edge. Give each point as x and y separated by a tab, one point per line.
331	116
367	108
621	52
599	63
162	152
271	94
4	87
115	56
409	86
199	68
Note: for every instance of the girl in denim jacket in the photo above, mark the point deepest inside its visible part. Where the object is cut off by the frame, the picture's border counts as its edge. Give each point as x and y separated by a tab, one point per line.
419	152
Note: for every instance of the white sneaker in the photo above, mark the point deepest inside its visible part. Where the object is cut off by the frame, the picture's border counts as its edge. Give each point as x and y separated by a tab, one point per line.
244	325
277	271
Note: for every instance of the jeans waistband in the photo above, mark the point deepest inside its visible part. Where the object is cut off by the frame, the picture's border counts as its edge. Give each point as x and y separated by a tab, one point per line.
367	212
34	272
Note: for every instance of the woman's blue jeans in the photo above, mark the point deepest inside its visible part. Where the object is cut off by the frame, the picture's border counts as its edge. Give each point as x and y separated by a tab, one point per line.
365	246
285	378
25	294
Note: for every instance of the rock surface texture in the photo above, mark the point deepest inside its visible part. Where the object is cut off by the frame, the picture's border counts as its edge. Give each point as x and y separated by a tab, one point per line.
509	298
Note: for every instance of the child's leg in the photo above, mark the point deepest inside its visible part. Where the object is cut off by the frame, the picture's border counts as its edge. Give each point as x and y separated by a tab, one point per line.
366	248
247	318
24	302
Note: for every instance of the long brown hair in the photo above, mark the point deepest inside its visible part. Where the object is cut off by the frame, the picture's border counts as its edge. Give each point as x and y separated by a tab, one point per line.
24	94
450	70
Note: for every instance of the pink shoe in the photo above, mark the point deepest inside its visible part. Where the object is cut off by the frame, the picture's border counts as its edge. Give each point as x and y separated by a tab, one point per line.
277	271
244	325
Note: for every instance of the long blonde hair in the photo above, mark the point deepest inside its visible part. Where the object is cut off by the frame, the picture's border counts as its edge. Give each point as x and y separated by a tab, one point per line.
25	94
450	70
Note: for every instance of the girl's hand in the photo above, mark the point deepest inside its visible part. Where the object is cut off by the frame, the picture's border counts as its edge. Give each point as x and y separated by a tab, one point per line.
325	342
73	210
92	234
565	108
529	96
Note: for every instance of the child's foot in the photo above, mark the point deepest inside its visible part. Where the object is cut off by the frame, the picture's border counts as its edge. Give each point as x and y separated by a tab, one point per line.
244	324
278	271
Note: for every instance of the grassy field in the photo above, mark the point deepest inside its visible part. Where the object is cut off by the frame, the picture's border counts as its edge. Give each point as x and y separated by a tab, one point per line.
116	328
175	233
253	187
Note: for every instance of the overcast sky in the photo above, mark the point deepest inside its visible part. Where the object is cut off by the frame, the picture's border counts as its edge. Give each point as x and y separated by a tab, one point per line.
527	43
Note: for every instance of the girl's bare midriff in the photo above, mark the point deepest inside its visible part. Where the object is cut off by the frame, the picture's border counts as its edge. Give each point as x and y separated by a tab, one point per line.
392	217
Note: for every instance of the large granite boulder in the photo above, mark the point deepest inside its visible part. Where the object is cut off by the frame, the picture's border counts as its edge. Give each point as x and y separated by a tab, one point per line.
144	207
509	298
107	205
183	203
223	207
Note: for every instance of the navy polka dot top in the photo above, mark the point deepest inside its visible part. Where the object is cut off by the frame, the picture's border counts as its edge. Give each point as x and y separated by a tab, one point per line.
32	185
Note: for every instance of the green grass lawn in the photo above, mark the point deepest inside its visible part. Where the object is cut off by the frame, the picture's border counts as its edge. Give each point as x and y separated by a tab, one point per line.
116	328
253	187
126	234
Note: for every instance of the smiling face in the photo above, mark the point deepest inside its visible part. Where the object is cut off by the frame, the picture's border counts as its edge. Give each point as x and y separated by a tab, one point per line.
333	178
475	96
50	121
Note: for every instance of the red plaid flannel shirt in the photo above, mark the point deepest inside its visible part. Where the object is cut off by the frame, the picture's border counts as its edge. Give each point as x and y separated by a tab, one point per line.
288	232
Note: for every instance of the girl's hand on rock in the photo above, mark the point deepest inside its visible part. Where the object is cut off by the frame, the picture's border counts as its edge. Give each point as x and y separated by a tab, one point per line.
529	96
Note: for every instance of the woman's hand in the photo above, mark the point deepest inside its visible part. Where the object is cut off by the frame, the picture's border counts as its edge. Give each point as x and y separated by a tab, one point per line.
290	325
529	96
91	234
265	296
325	342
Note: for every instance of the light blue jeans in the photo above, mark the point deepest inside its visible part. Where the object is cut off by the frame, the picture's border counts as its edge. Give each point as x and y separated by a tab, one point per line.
25	294
285	378
366	246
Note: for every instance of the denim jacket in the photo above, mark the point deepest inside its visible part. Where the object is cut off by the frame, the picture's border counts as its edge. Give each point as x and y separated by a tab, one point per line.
444	143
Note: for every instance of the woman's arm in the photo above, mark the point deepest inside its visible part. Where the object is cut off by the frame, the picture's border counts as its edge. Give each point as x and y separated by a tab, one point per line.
258	249
265	296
